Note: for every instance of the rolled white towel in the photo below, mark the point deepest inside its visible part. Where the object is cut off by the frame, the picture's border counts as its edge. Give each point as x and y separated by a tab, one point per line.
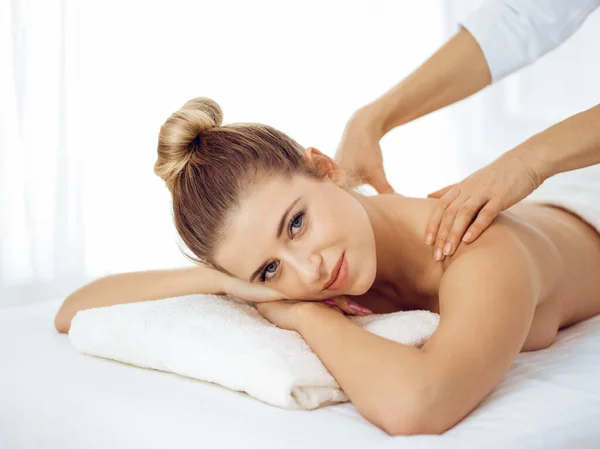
224	340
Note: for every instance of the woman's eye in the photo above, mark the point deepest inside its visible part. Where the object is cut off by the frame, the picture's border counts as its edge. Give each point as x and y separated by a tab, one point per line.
297	222
269	269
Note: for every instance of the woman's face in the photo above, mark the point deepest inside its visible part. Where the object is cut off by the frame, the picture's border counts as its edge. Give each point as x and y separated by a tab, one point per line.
319	222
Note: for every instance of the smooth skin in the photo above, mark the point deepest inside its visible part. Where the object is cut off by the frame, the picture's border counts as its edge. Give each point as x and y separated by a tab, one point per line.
456	71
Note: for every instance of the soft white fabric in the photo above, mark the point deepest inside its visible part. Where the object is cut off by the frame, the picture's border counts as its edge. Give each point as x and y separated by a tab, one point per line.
227	341
54	397
514	33
576	190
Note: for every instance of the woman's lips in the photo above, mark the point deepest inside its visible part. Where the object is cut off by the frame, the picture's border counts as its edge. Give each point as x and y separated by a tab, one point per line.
342	274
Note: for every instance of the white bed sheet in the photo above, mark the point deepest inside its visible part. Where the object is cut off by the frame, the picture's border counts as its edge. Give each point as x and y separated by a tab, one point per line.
52	396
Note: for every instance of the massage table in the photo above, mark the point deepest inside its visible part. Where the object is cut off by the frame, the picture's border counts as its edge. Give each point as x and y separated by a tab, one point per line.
54	397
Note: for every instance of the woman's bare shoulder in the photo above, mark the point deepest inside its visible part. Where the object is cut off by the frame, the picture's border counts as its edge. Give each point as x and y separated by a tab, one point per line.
508	230
417	210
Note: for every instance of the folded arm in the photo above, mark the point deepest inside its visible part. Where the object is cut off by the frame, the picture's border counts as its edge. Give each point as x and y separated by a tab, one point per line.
487	304
137	286
487	301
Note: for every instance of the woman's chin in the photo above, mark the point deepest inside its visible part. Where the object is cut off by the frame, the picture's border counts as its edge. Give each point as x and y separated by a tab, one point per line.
365	286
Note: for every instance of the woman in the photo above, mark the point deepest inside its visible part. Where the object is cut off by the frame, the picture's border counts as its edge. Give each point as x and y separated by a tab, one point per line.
269	220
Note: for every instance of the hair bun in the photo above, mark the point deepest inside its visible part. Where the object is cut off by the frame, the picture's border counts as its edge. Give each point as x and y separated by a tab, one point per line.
194	118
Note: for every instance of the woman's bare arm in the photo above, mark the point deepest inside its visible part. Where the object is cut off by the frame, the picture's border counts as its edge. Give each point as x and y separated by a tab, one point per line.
487	302
488	298
138	286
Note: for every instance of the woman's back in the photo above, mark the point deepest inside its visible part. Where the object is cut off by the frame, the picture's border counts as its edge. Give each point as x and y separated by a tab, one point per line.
564	248
576	285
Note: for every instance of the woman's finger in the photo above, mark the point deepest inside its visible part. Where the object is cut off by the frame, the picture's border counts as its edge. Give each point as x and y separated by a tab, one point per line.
464	217
435	219
337	308
483	220
333	304
440	193
348	306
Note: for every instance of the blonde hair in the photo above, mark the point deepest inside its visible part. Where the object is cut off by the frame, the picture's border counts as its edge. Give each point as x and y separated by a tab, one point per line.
207	167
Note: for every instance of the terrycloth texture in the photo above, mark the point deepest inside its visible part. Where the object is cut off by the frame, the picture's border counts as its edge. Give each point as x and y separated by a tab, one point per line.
227	341
576	190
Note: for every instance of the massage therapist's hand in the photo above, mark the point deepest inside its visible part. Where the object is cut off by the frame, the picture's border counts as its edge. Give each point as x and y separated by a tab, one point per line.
284	314
359	151
479	197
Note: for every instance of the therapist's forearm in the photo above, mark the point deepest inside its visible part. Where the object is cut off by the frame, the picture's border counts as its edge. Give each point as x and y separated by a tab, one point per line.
457	70
382	378
571	144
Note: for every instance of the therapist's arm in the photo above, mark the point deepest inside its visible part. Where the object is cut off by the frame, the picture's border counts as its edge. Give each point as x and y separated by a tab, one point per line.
457	70
466	209
569	145
495	41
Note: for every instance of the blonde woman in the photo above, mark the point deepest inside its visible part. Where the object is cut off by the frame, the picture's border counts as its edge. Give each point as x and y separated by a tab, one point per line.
274	223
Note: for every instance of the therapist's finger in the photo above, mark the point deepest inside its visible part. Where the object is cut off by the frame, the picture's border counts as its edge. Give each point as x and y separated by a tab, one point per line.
465	216
440	193
436	217
445	226
484	218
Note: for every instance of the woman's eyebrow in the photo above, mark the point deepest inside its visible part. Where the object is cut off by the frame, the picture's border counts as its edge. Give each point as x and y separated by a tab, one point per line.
279	231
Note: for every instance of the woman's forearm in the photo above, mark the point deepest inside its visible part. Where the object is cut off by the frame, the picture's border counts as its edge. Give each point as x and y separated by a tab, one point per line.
457	70
571	144
138	286
382	378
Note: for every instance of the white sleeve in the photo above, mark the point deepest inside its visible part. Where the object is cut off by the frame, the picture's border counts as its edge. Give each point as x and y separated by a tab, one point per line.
514	33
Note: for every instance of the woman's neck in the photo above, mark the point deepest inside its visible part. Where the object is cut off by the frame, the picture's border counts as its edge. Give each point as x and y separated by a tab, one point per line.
404	261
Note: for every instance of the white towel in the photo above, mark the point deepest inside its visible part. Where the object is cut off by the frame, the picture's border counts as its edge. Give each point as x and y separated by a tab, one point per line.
227	341
575	190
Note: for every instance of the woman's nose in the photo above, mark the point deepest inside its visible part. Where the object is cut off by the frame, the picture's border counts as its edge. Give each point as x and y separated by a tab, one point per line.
307	265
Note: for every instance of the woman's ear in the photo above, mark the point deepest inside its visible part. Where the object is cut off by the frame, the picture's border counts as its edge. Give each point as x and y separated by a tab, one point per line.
325	165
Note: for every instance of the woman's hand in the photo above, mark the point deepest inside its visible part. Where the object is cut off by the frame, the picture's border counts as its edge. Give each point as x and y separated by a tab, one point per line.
480	197
250	292
284	314
344	305
359	152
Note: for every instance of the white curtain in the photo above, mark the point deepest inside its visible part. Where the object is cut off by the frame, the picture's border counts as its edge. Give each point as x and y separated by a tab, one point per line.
41	238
